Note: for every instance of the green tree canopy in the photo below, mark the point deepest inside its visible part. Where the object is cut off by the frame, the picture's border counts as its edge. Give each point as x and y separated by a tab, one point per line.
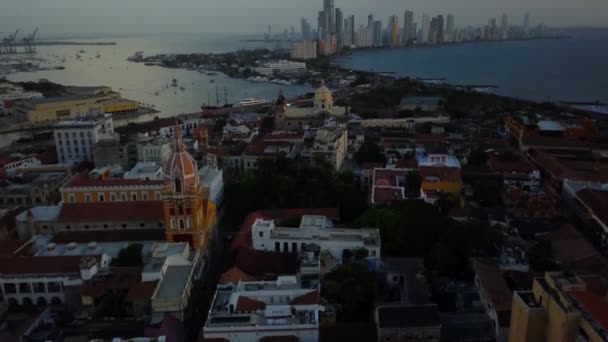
370	152
130	256
351	287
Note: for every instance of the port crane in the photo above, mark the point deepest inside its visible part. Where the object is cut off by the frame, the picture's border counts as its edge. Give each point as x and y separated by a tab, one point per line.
8	42
29	43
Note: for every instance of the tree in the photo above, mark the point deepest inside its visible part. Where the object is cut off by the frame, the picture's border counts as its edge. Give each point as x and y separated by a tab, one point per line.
477	156
130	256
413	181
370	152
361	253
351	287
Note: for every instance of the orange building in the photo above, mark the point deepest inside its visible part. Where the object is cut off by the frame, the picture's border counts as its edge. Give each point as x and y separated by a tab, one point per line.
188	217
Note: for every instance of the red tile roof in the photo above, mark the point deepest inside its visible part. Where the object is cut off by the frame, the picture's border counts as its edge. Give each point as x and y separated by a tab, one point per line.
141	291
310	298
110	236
10	247
40	265
388	177
234	275
82	180
130	211
595	305
575	252
246	304
260	263
118	279
445	174
597	201
383	195
494	285
521	165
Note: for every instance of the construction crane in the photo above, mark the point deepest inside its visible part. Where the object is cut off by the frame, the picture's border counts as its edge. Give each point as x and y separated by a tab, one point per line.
9	42
29	43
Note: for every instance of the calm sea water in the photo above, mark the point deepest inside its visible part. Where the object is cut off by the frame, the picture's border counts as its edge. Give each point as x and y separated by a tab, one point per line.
556	70
139	82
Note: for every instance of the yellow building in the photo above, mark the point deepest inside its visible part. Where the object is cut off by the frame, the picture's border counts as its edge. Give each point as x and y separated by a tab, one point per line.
561	307
188	217
120	106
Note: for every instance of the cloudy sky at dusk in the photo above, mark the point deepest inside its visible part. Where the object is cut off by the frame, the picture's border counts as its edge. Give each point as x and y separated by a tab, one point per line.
85	17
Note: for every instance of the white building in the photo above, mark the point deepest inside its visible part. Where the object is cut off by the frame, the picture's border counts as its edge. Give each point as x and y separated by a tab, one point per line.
74	139
270	68
155	150
316	230
212	180
145	171
331	144
252	311
304	50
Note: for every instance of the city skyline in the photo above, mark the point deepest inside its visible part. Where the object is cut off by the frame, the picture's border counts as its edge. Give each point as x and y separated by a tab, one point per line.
189	16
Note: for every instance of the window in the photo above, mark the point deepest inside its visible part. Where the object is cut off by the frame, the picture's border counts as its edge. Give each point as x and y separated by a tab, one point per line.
180	210
134	196
86	226
124	225
87	198
102	197
285	246
112	197
142	225
68	227
277	246
294	247
123	196
181	224
71	198
172	223
178	185
373	253
157	195
189	223
261	234
145	196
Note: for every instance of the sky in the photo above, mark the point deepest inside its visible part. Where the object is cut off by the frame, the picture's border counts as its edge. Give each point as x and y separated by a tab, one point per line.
87	17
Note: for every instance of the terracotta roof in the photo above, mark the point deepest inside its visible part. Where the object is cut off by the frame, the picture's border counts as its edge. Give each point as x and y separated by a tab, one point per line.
310	298
521	165
445	174
260	263
493	284
388	177
383	195
181	165
234	275
110	236
118	279
40	265
129	211
141	291
575	252
82	180
595	305
10	247
597	201
247	304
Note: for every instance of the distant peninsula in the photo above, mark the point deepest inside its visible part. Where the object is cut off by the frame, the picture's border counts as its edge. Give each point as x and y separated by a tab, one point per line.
53	43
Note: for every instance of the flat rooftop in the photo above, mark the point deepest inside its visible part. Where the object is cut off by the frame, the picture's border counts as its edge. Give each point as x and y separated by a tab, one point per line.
83	121
173	283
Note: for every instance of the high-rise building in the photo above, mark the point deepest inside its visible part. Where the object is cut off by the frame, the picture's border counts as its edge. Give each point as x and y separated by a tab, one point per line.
328	8
526	22
377	33
305	30
349	31
370	20
449	29
440	29
393	31
425	29
339	28
321	24
493	30
304	50
408	27
504	27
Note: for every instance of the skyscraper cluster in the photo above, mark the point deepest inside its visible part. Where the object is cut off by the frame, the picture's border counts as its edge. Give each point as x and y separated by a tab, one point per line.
337	30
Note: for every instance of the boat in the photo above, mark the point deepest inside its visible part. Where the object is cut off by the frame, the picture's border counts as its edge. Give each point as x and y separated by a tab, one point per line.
253	101
209	107
211	81
82	51
182	88
174	83
136	57
156	93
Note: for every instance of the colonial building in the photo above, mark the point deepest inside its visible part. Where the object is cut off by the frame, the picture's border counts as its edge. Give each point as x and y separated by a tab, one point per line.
315	230
188	217
74	139
291	117
440	172
330	144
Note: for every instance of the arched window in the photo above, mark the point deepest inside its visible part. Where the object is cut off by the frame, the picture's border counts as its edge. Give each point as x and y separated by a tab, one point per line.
181	224
178	185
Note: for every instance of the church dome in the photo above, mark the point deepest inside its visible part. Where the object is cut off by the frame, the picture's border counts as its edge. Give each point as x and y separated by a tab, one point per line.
180	169
324	100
